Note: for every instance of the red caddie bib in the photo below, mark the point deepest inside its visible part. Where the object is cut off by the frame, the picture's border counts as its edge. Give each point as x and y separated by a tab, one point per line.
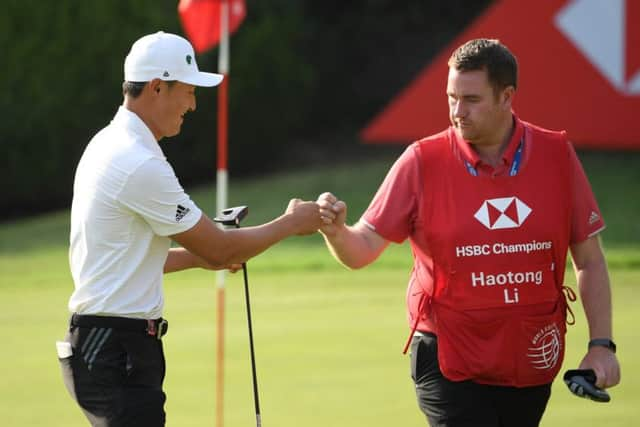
499	247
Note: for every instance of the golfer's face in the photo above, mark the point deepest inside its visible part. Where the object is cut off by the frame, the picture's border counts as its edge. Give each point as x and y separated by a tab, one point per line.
176	101
474	109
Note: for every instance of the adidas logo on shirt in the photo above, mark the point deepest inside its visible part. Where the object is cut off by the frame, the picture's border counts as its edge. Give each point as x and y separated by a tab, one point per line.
181	212
593	218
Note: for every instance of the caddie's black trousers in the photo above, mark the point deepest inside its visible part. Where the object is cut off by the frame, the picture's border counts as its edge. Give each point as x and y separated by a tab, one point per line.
116	371
465	403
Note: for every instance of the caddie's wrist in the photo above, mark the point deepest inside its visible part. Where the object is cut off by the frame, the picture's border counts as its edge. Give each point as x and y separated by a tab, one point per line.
602	342
340	231
329	233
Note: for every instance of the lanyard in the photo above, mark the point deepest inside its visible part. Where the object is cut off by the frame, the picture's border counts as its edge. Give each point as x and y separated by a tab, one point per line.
515	166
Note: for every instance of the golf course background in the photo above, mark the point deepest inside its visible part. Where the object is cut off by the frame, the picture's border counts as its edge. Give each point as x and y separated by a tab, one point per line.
328	341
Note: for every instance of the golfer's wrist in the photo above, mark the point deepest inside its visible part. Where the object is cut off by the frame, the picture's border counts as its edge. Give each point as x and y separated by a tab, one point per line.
292	224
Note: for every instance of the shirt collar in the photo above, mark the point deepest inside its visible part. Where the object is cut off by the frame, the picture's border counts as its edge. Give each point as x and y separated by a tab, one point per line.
469	154
132	122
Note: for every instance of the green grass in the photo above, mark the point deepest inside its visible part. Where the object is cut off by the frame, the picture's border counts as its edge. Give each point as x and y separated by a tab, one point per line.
328	341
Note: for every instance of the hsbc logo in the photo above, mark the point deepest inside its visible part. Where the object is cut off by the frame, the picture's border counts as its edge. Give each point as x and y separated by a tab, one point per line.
603	31
504	212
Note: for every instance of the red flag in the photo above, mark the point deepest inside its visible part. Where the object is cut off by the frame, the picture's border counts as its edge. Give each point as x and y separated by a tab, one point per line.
201	20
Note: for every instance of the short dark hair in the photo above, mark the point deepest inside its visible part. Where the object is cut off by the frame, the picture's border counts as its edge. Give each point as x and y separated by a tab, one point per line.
489	54
134	89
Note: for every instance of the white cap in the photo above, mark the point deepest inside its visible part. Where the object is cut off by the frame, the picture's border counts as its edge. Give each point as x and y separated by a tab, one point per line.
165	56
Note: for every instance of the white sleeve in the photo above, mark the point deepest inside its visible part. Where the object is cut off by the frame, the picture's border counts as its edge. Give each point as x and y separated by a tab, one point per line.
154	193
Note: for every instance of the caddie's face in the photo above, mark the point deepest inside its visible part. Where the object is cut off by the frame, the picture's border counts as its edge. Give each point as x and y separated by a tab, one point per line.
173	102
475	111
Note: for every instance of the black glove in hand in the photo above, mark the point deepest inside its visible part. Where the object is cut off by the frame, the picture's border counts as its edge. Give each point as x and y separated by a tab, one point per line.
582	383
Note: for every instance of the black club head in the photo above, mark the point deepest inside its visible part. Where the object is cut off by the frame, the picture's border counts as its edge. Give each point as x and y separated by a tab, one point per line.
232	216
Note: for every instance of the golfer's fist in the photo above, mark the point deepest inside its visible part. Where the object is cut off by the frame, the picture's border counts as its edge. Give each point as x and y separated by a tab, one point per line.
305	215
333	212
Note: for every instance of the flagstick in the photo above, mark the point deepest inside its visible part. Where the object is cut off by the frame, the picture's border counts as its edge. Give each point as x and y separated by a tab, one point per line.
221	196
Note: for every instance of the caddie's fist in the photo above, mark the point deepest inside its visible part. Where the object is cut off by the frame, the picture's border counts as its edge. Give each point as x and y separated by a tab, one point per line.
333	211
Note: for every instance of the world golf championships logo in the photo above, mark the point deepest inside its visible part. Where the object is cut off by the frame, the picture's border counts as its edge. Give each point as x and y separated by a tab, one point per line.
544	352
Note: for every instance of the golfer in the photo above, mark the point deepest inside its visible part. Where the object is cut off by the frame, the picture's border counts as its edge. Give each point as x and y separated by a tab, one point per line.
127	208
491	206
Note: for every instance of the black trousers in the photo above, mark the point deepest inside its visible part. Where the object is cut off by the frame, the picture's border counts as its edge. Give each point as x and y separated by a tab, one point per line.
467	404
115	374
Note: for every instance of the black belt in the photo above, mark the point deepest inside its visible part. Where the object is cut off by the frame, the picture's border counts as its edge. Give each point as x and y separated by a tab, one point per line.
154	327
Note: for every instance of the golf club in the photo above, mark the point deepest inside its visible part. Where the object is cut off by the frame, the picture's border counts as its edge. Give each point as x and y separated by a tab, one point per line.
233	216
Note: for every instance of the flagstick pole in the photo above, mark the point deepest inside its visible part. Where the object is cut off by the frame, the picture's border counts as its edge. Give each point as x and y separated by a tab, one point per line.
221	196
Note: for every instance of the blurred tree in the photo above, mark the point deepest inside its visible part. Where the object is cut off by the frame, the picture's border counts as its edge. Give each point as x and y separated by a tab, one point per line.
300	71
61	82
365	51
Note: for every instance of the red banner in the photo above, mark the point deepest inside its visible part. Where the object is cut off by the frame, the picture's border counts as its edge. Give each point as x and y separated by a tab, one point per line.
579	67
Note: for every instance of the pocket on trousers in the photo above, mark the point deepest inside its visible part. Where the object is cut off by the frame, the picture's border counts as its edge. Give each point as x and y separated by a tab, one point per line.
413	357
424	359
65	354
96	367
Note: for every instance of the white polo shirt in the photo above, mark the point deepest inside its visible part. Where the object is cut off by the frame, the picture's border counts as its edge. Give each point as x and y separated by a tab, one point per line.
126	201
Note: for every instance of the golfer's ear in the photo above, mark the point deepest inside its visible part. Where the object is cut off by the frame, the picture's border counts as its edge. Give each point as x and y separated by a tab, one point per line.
154	85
